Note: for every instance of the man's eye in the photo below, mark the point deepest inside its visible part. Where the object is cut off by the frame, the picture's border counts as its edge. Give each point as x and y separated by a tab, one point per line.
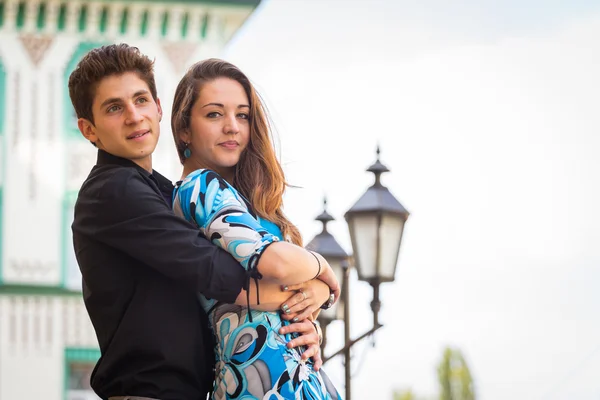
142	100
112	109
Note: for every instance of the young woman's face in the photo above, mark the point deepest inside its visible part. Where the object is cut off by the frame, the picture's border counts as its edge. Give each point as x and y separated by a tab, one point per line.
219	126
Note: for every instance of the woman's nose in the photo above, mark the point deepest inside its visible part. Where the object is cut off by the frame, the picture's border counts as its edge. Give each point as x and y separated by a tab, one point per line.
231	126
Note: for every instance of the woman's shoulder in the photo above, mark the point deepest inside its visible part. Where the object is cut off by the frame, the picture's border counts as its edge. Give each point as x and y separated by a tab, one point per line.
203	178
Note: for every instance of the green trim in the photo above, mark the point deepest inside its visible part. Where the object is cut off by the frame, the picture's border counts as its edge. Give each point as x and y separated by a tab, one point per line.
124	19
165	24
62	17
144	27
1	13
244	3
83	354
103	19
184	25
1	219
82	18
2	95
4	164
41	16
69	118
21	15
77	354
27	290
204	27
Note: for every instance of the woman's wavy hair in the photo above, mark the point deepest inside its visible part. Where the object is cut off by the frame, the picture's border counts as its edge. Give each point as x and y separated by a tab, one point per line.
258	174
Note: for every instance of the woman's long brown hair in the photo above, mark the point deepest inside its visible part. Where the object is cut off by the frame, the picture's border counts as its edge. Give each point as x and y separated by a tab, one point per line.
258	174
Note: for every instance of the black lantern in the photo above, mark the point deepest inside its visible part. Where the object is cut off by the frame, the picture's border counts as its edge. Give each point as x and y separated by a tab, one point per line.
376	222
326	245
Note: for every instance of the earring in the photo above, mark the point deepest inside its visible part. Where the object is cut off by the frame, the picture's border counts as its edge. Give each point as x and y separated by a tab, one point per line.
187	153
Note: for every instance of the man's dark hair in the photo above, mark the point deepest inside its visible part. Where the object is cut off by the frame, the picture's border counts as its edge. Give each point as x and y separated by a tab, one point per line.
114	59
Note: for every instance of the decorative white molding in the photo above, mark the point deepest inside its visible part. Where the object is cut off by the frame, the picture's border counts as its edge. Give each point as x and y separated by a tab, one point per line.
72	17
155	17
115	14
51	22
36	46
92	26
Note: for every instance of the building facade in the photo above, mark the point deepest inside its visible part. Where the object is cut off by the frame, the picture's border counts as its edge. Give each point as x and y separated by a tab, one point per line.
47	344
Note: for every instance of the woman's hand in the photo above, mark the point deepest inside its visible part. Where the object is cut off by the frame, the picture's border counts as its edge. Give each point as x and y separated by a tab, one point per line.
309	298
328	276
309	337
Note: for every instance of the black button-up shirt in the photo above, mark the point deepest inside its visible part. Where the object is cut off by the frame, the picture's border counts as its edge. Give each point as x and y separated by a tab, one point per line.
142	269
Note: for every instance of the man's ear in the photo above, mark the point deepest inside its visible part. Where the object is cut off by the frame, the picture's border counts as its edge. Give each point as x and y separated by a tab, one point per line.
87	129
160	111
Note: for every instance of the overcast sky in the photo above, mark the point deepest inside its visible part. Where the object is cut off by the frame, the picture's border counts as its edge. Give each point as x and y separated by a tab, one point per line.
486	114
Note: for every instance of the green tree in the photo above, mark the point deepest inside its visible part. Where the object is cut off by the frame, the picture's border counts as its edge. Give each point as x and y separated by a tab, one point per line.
404	395
456	382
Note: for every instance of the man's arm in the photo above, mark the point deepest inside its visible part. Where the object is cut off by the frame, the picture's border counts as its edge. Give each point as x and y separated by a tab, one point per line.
125	213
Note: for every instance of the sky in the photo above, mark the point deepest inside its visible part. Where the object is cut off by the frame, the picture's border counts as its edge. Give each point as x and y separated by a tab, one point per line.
485	113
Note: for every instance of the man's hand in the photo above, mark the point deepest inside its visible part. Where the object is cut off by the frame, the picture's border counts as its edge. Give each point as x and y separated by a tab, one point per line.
309	337
308	299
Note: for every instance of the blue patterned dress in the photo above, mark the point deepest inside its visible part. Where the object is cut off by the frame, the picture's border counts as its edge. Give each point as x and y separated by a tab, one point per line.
252	360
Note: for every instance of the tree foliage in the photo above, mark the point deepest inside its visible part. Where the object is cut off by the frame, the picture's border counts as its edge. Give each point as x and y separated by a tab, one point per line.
456	382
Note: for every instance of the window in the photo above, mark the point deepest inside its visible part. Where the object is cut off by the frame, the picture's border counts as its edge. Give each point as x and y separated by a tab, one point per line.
78	369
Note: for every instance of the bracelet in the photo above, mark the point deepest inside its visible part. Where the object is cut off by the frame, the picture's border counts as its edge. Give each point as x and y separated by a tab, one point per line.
327	305
318	262
319	333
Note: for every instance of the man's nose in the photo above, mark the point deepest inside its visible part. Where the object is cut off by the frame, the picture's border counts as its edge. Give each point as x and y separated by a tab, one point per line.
132	114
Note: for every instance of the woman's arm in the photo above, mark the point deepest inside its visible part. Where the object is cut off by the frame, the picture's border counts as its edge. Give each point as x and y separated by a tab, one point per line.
294	304
209	201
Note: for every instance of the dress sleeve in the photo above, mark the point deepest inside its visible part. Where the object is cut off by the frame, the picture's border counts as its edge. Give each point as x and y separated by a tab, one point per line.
220	213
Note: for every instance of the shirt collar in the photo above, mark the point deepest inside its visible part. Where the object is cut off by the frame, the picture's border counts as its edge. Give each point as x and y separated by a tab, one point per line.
105	158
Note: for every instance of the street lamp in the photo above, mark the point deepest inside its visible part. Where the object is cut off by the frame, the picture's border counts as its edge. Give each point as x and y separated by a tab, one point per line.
376	224
326	245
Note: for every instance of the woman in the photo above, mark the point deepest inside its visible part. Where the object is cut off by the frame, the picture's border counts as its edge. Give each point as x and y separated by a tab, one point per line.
232	189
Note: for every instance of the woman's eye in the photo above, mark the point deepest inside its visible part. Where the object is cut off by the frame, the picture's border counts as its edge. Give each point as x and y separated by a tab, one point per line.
243	116
213	114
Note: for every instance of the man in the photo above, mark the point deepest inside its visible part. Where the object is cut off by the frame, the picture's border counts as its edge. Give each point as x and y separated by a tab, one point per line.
142	265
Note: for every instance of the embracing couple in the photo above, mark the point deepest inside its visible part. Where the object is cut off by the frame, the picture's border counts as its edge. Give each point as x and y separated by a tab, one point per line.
202	287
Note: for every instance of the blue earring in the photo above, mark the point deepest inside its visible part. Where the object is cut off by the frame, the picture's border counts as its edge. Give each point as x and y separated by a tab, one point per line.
187	153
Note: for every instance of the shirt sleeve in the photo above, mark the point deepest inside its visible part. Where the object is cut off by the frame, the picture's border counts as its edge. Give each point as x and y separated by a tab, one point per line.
220	213
125	213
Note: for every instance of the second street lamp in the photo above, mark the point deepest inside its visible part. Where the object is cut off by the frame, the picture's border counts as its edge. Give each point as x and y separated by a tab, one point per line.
326	245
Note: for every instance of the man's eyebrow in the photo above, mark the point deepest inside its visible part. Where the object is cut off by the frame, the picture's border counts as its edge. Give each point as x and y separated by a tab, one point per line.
119	99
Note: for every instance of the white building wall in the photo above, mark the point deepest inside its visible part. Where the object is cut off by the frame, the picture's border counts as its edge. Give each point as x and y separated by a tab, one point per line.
35	332
43	163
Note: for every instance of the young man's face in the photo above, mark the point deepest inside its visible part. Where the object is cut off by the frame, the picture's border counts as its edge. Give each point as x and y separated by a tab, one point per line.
126	119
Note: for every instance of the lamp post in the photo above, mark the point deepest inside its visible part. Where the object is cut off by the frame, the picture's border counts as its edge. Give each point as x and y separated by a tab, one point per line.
326	245
376	224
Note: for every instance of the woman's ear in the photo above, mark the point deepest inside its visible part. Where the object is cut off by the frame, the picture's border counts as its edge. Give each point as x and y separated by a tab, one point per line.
185	136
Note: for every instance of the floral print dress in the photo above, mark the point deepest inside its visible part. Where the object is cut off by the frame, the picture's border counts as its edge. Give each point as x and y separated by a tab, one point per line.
252	360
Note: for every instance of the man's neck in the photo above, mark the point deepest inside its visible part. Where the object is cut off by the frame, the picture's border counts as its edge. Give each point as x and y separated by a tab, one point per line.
145	163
